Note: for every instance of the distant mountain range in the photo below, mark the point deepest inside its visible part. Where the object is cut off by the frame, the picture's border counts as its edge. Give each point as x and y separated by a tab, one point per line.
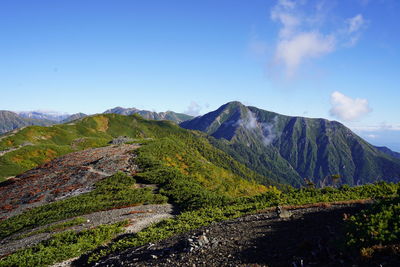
151	115
283	148
289	149
44	115
10	120
13	120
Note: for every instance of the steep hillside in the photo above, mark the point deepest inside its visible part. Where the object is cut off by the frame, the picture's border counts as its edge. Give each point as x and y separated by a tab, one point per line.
289	149
189	153
10	121
151	115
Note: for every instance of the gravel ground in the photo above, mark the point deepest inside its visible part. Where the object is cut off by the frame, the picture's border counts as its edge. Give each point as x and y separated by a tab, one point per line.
139	216
309	238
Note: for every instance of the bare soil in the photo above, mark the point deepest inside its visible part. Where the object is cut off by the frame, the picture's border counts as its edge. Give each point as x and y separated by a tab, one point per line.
66	176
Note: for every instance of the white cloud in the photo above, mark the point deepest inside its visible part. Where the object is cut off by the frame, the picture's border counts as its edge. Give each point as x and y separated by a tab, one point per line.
292	52
303	35
193	109
268	130
347	108
249	122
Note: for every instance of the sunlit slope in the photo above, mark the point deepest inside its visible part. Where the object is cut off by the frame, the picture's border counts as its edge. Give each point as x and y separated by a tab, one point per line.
188	152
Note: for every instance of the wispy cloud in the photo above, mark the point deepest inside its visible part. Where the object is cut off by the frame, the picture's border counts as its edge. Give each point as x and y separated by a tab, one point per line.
354	27
249	121
355	23
268	130
376	128
193	109
347	108
301	36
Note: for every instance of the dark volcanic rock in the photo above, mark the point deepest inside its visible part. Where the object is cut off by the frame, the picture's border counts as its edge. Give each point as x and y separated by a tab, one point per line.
309	238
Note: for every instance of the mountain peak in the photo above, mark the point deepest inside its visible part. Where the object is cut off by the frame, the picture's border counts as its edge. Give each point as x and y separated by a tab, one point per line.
234	104
289	149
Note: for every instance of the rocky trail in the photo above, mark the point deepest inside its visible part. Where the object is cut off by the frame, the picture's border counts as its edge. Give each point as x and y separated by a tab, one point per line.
310	237
138	216
63	177
71	175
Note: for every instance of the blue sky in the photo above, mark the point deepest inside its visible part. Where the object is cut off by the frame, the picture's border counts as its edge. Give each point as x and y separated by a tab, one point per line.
332	59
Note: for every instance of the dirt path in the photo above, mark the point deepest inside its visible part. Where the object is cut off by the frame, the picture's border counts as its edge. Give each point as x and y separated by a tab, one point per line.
309	238
139	216
2	153
11	133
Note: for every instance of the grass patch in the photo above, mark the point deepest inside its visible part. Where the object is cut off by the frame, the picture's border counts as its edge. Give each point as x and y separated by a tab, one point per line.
63	246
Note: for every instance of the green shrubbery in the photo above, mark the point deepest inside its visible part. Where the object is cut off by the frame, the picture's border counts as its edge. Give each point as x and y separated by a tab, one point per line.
63	246
378	225
188	178
196	218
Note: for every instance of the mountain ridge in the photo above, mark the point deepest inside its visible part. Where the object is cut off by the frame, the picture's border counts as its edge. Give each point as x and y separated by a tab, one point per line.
152	115
295	148
10	121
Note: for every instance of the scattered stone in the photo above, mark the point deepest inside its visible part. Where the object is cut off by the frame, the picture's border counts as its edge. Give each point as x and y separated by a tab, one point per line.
121	140
283	213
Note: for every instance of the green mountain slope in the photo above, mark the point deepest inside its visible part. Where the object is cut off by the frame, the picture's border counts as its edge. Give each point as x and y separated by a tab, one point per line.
289	149
151	115
10	121
186	152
